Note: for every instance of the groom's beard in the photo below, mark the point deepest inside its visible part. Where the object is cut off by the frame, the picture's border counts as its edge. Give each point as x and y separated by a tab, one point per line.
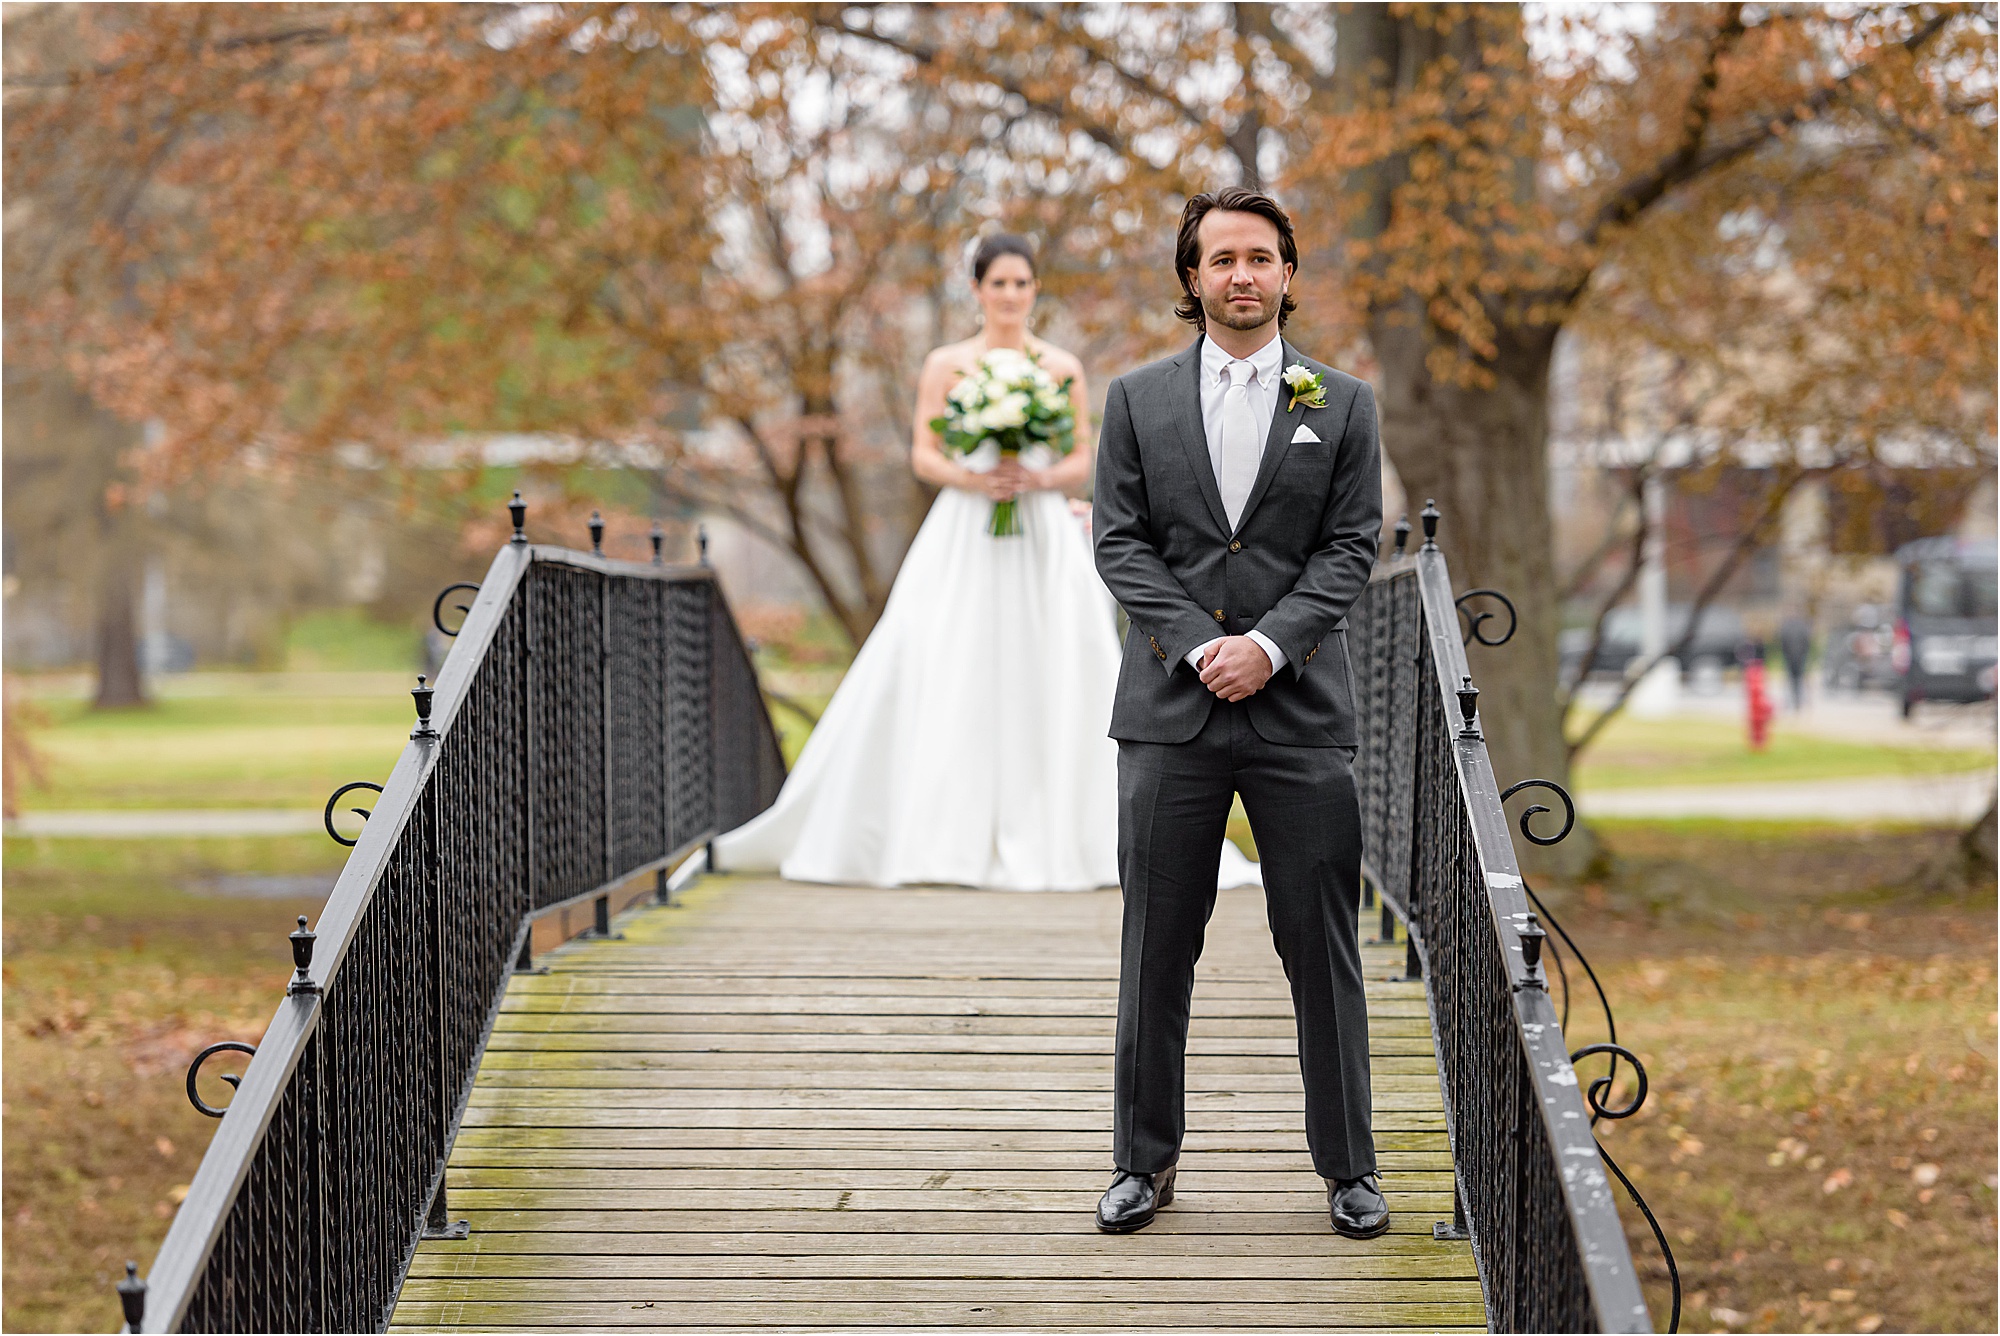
1219	311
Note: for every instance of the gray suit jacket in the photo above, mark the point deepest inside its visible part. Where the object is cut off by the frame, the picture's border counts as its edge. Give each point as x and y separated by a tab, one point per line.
1292	568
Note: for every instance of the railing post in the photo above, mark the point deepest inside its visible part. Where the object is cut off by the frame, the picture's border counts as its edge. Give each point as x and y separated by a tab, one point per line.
605	721
661	895
527	745
438	1223
670	691
1453	1230
132	1297
436	1226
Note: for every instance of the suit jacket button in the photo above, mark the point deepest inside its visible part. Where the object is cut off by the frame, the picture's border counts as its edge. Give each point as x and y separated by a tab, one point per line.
1236	545
1218	614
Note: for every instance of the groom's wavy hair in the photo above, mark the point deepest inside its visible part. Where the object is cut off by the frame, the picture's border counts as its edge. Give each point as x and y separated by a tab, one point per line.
1187	247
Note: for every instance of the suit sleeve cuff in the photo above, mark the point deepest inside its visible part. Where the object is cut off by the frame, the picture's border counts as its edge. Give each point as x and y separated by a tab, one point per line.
1271	650
1193	656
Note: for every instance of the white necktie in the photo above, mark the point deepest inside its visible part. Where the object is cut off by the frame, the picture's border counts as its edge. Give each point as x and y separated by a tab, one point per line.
1240	447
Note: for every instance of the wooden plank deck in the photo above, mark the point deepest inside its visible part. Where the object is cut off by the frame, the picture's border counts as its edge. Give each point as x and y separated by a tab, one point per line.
810	1107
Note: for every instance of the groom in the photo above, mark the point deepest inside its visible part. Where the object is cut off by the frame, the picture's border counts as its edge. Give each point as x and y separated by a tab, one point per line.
1237	512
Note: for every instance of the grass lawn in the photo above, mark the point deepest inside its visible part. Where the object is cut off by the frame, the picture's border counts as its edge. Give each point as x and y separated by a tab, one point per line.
252	743
115	976
1634	753
1819	1140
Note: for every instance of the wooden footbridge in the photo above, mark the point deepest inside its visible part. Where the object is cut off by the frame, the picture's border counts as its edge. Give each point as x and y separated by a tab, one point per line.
804	1106
734	1103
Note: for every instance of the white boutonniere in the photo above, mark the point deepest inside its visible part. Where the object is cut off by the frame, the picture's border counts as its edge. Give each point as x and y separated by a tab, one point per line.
1308	387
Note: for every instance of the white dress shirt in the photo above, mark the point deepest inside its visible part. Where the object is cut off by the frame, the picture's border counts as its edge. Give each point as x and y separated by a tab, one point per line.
1263	391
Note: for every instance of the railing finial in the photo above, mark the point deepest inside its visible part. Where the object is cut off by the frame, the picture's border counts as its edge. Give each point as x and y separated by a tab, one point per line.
1429	515
1468	708
701	543
658	536
1532	938
597	533
422	693
519	510
303	939
1402	536
132	1297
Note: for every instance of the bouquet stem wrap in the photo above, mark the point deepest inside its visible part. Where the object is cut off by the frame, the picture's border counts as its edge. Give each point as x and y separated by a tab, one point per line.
1006	514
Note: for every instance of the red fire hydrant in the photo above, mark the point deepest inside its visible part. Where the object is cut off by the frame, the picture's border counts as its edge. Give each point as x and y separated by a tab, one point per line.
1760	704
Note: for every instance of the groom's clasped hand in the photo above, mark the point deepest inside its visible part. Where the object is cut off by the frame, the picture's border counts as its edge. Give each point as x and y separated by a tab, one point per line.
1236	668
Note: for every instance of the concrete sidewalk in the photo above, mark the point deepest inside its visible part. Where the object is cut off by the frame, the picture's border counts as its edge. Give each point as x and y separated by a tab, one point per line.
149	825
1945	800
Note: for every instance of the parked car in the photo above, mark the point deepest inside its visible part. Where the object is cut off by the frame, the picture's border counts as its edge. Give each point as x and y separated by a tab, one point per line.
1946	634
1859	655
1719	642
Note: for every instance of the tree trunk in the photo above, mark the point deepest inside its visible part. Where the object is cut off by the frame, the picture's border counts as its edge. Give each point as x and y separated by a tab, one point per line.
1978	847
119	683
1482	453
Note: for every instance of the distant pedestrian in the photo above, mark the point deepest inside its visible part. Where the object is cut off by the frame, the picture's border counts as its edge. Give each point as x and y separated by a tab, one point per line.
1795	637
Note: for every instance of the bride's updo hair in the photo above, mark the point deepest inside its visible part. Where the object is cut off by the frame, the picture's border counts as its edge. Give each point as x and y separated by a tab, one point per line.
997	245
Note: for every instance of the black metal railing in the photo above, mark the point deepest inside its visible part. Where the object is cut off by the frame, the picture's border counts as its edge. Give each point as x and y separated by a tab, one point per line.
1531	1188
595	720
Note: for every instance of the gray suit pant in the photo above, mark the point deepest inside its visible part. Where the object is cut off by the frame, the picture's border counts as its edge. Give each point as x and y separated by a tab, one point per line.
1173	807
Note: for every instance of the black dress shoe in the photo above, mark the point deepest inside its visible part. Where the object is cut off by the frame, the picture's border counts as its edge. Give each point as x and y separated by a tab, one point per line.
1357	1207
1132	1200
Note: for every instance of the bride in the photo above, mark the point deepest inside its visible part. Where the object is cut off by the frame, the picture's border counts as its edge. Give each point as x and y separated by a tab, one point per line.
966	745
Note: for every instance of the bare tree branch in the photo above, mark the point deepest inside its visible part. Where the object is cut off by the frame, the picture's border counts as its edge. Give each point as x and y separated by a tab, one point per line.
1679	165
834	19
1693	159
1566	698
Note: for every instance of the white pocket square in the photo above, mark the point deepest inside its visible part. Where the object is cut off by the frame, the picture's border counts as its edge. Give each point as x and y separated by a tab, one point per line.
1304	433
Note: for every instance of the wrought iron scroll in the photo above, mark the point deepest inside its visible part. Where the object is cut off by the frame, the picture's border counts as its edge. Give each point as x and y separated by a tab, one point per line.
1569	810
600	713
1601	1086
1476	617
1530	1185
334	801
228	1079
437	605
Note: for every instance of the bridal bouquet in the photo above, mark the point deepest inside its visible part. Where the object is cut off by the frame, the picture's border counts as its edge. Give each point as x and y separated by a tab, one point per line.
1007	398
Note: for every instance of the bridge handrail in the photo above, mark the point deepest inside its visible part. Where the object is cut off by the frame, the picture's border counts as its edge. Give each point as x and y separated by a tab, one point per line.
1530	1187
329	1163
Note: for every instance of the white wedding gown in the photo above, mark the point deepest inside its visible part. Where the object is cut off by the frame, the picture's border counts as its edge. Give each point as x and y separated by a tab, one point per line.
966	745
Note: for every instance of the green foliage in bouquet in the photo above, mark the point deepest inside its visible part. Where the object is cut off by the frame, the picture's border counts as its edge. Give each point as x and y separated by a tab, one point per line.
1007	398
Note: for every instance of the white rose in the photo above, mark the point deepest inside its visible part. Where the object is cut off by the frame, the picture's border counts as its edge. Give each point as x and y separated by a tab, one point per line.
1010	410
1298	376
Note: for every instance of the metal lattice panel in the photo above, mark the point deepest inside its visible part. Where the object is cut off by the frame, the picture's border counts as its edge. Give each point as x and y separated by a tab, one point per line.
690	713
748	779
600	711
1437	847
636	672
566	730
